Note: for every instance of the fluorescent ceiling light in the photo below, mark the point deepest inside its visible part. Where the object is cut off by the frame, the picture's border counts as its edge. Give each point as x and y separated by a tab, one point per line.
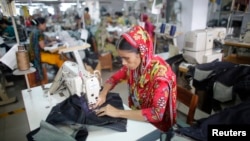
45	0
130	0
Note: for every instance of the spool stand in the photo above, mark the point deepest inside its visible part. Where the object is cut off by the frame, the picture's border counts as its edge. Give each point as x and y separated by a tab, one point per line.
23	64
25	73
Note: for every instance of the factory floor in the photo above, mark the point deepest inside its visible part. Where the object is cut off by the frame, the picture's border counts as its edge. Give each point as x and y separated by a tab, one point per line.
13	119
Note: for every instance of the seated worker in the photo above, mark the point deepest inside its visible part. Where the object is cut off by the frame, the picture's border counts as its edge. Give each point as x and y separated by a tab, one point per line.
105	41
37	54
87	18
151	81
108	18
7	30
78	24
120	21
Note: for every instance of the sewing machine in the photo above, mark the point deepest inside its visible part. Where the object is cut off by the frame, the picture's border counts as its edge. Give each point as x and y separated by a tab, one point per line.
198	46
76	79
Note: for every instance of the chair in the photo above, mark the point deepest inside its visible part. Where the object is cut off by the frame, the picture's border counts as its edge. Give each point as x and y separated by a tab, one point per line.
32	78
106	61
190	100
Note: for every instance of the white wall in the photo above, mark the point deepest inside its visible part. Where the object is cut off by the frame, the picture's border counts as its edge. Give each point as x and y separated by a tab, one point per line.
193	16
200	9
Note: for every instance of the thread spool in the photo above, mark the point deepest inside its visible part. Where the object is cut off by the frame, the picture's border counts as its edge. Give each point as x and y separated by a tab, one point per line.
22	60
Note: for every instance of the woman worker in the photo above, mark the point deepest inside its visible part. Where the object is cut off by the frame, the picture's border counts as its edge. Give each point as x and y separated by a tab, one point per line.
37	54
152	83
7	30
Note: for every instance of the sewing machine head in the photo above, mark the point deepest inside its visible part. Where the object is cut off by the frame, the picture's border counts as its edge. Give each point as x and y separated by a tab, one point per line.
77	80
198	46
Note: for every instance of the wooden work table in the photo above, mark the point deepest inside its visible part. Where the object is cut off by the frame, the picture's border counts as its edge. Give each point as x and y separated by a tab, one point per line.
236	43
235	58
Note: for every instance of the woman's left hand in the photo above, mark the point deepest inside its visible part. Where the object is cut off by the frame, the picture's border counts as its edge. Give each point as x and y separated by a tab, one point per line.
52	43
108	110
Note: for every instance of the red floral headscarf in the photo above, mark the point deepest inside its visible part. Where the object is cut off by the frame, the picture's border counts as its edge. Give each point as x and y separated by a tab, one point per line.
139	38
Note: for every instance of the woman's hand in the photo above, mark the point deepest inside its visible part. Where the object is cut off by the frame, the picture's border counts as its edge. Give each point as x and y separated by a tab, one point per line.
51	43
108	110
101	99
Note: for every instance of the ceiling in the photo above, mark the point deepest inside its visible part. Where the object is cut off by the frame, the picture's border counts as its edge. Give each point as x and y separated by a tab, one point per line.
47	1
60	1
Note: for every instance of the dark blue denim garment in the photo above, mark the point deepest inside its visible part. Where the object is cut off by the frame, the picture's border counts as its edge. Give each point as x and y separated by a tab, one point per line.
118	124
75	110
234	115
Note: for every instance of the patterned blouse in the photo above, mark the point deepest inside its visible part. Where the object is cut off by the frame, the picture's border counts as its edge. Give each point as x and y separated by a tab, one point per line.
152	85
